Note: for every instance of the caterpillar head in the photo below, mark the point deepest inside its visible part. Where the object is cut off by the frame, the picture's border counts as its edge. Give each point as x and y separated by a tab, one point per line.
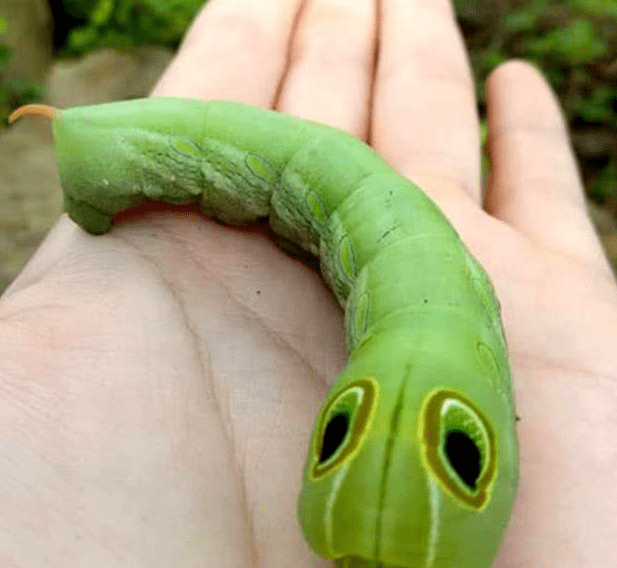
404	472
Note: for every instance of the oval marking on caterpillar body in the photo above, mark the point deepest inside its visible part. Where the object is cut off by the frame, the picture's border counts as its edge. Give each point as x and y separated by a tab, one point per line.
261	168
485	354
346	257
187	146
317	207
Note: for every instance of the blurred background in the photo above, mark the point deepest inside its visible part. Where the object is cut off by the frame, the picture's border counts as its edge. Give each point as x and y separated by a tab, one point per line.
72	52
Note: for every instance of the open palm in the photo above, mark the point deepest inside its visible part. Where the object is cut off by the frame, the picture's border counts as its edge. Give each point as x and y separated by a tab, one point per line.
158	384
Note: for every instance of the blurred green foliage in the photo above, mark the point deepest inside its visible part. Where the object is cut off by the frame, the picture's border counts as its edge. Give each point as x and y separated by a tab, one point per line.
574	43
13	93
5	51
127	23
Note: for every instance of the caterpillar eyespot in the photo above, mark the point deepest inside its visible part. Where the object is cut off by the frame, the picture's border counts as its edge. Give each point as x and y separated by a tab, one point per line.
460	447
414	457
342	425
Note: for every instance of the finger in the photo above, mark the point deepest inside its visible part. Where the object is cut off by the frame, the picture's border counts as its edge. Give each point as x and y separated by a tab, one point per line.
426	122
535	185
234	50
331	64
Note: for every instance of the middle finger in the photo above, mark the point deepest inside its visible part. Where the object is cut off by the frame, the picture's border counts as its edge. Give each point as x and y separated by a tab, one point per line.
331	62
425	114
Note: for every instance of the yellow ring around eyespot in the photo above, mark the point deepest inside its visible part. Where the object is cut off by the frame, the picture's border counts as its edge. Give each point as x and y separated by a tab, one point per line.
430	439
360	425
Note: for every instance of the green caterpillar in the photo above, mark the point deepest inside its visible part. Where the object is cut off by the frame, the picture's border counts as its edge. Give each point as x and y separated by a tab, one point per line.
413	460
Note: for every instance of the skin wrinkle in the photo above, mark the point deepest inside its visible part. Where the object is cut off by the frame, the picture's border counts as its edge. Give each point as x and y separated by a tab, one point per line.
434	157
278	337
505	130
543	293
247	309
528	361
327	58
590	261
439	7
540	188
519	141
205	366
507	127
80	528
442	71
583	263
505	139
425	152
448	66
274	429
519	347
373	70
454	190
332	57
329	45
396	71
531	243
287	66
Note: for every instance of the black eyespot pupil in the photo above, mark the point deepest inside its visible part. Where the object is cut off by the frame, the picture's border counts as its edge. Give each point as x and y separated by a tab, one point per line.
333	437
464	457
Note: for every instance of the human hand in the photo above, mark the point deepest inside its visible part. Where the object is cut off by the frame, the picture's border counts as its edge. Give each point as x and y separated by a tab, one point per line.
158	384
